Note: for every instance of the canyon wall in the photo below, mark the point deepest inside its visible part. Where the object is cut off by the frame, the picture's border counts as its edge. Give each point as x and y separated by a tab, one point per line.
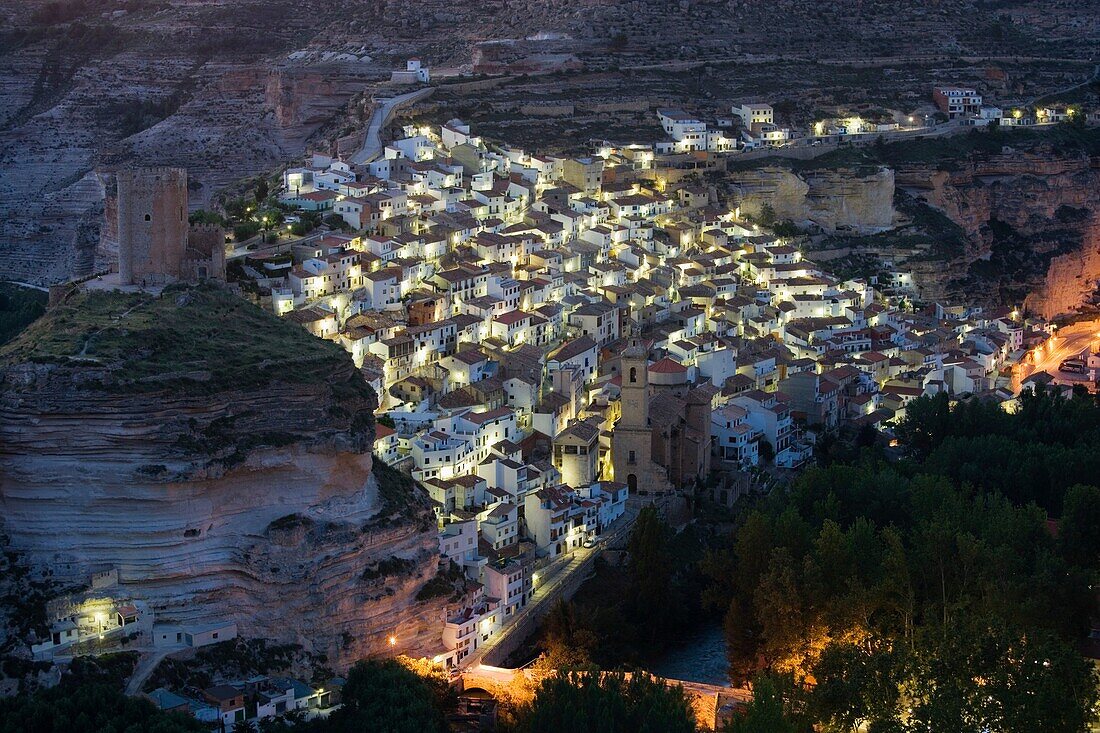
1032	225
260	506
833	199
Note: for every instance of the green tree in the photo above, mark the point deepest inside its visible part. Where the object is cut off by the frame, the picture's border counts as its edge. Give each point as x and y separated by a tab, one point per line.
261	190
650	566
19	307
568	644
335	221
93	707
246	230
202	216
591	701
767	216
766	712
986	675
926	422
1079	531
384	696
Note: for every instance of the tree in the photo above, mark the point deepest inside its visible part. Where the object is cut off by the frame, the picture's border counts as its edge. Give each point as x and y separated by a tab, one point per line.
246	230
650	566
261	190
202	216
766	712
568	644
335	221
767	452
984	674
88	708
591	701
385	696
1079	532
244	726
926	423
767	216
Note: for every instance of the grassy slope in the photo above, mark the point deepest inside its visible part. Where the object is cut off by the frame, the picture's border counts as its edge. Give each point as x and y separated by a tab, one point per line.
142	338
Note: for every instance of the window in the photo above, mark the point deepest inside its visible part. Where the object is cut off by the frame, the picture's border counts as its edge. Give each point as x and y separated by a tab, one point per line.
633	377
148	217
632	458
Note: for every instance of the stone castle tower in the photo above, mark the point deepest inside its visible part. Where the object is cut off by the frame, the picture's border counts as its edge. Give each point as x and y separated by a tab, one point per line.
632	437
152	225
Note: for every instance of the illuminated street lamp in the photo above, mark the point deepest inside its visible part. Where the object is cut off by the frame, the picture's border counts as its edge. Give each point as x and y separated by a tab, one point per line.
392	640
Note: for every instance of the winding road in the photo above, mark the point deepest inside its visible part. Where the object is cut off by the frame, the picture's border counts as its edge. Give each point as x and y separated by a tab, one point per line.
372	143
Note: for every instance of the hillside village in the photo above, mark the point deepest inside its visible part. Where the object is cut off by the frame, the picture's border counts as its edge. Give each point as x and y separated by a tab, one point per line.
548	336
555	341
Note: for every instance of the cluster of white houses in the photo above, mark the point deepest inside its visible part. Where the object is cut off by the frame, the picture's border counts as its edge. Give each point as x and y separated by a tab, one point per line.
548	335
752	125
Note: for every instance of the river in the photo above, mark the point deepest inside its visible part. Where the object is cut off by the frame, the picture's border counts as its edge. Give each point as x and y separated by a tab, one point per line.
701	657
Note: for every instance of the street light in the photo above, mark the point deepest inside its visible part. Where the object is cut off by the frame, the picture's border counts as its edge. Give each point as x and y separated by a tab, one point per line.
392	640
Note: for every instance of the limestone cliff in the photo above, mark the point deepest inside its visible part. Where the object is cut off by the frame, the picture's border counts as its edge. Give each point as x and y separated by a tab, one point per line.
219	459
832	199
1032	220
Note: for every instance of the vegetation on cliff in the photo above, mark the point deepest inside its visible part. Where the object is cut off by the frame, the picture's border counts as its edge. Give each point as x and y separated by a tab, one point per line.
19	306
200	339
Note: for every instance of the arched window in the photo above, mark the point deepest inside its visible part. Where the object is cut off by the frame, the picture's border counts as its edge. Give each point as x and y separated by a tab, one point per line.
632	483
633	374
148	217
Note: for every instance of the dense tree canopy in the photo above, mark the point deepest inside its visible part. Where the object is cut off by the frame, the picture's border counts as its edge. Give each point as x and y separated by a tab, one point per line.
386	696
86	708
936	594
607	703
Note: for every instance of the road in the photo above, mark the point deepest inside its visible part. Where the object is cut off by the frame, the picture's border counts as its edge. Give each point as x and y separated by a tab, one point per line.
1074	340
372	143
145	668
551	581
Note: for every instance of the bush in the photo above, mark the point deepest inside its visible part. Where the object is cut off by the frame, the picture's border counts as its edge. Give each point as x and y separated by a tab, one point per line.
335	221
246	230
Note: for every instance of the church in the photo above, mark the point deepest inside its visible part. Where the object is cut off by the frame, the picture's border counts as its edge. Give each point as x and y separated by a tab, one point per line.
661	442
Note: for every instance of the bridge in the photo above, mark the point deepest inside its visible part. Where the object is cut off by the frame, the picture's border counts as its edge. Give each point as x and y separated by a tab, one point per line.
708	701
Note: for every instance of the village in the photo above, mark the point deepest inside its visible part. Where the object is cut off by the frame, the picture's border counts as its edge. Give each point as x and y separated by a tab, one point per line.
558	341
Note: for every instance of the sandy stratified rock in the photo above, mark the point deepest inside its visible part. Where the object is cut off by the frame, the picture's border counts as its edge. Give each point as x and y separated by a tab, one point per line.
258	505
832	199
1034	217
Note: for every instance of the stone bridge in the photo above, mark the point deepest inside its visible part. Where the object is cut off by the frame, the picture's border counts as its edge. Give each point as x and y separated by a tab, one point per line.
712	703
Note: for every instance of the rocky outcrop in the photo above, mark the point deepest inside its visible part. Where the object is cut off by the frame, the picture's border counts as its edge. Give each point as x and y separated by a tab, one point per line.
259	505
1032	220
832	199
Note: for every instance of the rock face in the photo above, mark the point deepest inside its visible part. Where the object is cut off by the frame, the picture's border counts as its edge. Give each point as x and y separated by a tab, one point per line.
837	199
1032	221
259	505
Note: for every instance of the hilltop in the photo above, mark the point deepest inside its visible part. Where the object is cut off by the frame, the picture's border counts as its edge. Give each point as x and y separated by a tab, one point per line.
200	338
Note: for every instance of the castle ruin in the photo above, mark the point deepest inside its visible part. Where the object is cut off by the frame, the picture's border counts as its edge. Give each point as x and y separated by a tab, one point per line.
156	245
